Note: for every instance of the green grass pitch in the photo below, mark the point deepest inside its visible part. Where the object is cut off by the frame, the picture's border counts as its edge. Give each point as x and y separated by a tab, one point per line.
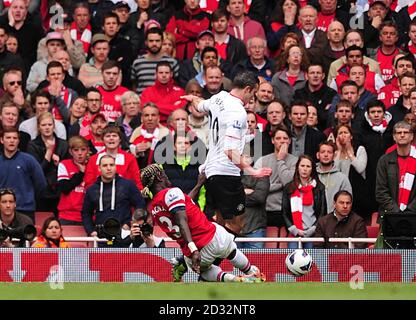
207	291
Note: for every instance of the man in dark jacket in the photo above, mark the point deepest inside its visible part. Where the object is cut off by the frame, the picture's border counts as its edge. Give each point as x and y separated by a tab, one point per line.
8	59
120	49
111	196
229	47
255	217
20	172
376	137
11	219
395	183
305	140
257	61
317	93
340	223
27	30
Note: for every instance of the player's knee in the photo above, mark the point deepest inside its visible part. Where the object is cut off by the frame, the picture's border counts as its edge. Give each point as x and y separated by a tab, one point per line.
231	256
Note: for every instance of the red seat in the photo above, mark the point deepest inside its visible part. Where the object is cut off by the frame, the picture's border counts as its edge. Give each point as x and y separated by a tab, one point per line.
75	231
374	218
283	234
41	216
372	232
271	232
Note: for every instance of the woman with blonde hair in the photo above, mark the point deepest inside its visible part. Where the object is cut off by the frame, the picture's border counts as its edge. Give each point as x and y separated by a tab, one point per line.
169	44
48	150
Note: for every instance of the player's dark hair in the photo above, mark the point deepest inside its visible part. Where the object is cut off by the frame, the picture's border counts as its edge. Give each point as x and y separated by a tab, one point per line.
147	176
245	79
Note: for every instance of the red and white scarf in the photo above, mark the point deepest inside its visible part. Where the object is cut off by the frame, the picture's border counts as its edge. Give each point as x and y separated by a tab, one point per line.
85	37
302	196
412	47
148	137
380	128
406	187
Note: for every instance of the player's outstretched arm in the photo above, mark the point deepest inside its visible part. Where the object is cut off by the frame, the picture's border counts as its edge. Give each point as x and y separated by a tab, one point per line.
194	100
181	220
242	162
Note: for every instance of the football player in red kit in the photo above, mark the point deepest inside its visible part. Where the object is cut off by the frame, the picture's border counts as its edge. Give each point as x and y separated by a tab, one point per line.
201	241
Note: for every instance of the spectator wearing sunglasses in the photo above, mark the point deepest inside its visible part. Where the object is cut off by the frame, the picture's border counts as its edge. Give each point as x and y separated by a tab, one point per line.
13	91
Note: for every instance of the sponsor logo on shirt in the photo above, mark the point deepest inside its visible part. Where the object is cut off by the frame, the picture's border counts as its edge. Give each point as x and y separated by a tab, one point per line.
237	124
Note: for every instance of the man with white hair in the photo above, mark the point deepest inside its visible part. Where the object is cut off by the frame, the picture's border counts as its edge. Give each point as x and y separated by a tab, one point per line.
314	40
257	61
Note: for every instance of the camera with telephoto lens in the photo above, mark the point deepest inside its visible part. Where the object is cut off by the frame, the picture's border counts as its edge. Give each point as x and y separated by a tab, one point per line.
109	229
146	229
27	232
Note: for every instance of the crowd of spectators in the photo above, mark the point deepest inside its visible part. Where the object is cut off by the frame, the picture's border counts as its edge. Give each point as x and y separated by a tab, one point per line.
333	116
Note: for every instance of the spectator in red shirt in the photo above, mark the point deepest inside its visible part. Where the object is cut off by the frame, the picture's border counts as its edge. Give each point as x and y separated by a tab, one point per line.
390	93
71	182
241	26
387	50
111	91
186	24
126	164
165	93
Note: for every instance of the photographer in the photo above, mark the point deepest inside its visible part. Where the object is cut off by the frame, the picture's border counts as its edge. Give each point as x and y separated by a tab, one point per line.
10	219
111	196
140	235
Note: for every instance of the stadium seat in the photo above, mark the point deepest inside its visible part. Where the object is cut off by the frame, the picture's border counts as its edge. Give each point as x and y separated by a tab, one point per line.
374	218
75	231
283	234
271	232
41	216
372	232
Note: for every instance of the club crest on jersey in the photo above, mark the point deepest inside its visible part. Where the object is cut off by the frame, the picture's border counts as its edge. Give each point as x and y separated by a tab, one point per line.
237	124
172	197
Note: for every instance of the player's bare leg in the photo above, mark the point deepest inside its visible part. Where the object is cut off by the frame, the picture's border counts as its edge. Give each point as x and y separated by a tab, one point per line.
235	225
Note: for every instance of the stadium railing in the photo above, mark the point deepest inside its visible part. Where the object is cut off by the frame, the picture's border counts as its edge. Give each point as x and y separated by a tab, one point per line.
350	241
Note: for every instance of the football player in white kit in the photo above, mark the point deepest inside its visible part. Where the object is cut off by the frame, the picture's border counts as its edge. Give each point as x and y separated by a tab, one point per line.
224	163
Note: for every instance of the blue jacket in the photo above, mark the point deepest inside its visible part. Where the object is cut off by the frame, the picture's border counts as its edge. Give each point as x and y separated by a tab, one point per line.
126	196
24	175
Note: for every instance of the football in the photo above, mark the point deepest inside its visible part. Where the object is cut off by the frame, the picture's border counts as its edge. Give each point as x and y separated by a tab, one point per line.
299	262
